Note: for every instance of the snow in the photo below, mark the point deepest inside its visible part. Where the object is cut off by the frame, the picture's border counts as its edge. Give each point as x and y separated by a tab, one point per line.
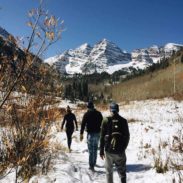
51	60
83	47
172	46
107	56
100	54
151	122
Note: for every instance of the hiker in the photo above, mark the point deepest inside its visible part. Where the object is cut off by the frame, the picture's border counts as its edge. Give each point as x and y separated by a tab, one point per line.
114	138
69	119
92	120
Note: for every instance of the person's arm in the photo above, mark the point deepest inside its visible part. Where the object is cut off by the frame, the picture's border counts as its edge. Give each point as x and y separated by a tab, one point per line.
63	122
101	118
75	120
102	137
83	124
126	134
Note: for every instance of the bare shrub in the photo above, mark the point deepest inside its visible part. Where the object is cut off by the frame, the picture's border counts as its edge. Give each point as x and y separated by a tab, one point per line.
57	146
27	95
25	144
160	164
177	160
177	144
147	146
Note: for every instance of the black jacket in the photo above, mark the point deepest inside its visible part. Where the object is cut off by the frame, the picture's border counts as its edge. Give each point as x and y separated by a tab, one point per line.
69	118
92	120
105	129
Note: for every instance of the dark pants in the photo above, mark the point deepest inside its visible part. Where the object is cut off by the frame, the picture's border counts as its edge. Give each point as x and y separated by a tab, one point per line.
69	133
120	161
93	140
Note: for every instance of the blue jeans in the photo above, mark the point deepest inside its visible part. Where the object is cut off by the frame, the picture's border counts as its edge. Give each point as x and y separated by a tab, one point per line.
93	140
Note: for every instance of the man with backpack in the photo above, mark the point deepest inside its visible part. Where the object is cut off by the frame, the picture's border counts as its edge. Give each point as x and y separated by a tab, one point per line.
114	140
92	120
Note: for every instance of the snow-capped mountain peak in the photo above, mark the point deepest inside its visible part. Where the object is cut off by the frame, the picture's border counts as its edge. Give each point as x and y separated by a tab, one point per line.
83	46
169	47
107	56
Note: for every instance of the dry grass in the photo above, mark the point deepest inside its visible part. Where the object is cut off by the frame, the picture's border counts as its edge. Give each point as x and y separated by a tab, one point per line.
57	146
158	85
178	96
147	146
26	144
103	107
177	143
132	120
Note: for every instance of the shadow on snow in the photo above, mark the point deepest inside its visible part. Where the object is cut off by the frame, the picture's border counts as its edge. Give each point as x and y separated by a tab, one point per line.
138	167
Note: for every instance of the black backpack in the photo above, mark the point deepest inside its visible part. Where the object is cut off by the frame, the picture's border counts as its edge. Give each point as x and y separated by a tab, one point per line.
114	138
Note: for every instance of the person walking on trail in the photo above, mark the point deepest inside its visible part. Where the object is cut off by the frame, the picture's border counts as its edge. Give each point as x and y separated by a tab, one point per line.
69	119
92	120
114	139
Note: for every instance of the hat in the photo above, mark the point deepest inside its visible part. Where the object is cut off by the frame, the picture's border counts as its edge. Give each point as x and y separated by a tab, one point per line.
114	107
90	105
68	109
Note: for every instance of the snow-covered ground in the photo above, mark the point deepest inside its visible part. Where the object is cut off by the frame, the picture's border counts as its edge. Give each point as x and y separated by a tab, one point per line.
151	123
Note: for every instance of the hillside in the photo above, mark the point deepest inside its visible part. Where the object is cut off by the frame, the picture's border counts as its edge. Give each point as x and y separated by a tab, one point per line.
15	60
156	84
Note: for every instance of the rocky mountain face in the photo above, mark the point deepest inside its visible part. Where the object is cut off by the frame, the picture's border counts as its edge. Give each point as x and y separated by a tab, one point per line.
154	53
86	59
107	56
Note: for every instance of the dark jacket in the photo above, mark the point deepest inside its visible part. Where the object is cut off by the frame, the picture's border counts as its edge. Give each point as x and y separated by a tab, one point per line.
92	120
105	133
69	119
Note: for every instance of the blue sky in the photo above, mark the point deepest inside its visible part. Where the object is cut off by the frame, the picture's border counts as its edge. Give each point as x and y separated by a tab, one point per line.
128	23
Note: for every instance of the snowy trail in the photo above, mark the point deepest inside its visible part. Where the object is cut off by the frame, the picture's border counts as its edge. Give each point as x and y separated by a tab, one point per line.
156	121
76	167
151	123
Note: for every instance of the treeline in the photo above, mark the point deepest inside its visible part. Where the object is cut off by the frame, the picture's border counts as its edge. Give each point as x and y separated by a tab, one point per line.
77	89
98	85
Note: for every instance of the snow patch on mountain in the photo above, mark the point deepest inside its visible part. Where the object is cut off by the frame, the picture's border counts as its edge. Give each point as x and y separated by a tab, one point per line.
107	56
172	47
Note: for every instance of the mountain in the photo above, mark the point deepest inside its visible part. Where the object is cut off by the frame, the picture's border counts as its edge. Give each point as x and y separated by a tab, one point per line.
103	56
154	53
107	56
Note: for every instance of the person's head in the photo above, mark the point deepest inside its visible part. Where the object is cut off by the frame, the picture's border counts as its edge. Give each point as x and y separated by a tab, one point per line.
114	108
68	109
90	105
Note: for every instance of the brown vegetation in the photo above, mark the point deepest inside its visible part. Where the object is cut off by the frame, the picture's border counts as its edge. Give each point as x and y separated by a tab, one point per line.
159	85
28	103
